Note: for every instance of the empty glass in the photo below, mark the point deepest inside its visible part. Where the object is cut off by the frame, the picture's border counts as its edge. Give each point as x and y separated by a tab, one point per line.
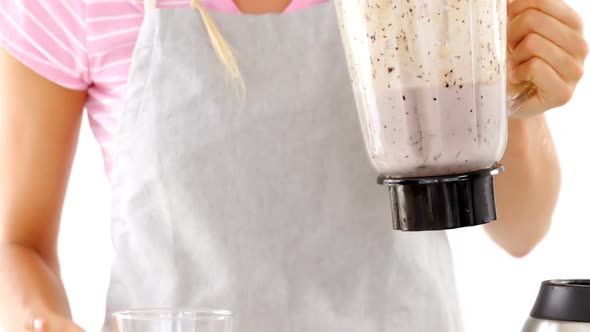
172	320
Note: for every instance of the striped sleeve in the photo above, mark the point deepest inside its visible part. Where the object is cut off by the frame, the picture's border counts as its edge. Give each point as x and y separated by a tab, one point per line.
48	36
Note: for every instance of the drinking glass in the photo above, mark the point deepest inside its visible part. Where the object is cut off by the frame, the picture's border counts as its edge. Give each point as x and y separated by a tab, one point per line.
173	320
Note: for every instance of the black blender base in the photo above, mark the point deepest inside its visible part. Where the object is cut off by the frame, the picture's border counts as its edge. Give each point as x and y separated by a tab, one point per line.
442	202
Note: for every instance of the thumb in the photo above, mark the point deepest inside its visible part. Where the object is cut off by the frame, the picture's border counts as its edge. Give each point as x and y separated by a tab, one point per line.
55	324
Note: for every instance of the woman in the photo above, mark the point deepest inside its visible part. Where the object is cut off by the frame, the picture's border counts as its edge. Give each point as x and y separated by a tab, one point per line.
265	206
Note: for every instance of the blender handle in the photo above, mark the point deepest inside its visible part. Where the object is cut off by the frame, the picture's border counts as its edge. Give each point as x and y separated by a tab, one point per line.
514	103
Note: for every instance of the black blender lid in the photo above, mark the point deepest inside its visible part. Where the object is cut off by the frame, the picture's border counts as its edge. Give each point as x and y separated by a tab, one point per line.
563	300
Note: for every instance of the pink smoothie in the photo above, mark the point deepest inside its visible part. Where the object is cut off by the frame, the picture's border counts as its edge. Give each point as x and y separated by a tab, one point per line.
429	81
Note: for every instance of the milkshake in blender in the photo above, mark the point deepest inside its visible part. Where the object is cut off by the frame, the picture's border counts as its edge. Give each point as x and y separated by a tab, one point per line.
429	78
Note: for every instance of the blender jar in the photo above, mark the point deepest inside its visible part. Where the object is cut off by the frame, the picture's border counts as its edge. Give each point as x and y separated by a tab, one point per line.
429	78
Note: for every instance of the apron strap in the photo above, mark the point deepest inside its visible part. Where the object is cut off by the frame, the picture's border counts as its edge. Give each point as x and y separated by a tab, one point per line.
150	4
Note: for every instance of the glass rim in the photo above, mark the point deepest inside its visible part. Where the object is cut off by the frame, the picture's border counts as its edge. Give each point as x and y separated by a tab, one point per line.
172	314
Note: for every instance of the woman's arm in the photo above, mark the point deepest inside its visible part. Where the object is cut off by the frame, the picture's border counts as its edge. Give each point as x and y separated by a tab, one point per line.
527	191
39	124
546	39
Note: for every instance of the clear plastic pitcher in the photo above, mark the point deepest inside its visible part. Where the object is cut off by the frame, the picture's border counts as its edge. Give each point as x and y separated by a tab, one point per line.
429	78
173	320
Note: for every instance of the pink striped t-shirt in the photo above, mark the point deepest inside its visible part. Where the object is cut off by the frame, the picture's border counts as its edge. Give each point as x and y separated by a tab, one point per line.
87	45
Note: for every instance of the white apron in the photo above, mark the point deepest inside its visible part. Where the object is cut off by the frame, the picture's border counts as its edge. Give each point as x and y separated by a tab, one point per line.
267	207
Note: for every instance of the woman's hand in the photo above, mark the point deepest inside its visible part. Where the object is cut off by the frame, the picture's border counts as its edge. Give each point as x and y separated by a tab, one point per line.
53	324
547	48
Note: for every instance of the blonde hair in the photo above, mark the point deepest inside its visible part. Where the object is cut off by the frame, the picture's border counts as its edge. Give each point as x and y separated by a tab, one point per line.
220	45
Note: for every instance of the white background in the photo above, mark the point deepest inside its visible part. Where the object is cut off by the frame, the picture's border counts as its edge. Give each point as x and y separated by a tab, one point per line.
496	291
